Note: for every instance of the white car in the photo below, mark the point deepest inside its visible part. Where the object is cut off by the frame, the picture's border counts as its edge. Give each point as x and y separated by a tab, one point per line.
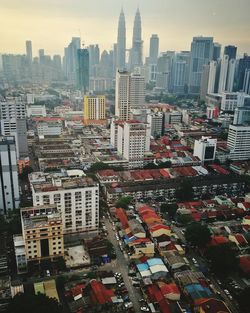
128	305
145	309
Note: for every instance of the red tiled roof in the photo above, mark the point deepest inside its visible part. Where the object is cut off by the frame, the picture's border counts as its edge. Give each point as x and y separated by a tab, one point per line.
169	288
121	215
218	240
245	264
106	173
99	293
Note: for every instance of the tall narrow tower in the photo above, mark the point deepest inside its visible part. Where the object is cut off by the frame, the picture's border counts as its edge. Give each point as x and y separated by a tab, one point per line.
121	42
136	51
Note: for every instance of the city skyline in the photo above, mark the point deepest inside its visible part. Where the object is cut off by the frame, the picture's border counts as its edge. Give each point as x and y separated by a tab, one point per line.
165	18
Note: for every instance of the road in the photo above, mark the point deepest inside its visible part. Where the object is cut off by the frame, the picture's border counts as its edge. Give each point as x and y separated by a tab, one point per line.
121	265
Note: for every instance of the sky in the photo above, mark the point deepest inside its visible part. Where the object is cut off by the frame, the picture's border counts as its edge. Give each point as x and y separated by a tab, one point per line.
50	24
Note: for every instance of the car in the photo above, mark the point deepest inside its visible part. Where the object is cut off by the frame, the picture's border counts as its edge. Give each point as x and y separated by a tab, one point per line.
47	273
128	305
145	309
135	279
117	274
121	285
226	292
142	300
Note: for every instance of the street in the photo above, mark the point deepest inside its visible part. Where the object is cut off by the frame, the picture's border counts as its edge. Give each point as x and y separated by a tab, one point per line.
121	265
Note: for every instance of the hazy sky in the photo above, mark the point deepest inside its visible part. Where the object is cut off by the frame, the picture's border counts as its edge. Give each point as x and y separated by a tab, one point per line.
50	24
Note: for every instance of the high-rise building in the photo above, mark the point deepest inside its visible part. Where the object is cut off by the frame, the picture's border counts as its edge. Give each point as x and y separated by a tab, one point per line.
231	51
121	43
136	51
216	51
180	71
13	123
137	91
154	49
133	140
238	142
41	54
76	197
212	77
83	70
204	81
29	51
244	64
246	85
42	231
9	187
165	70
94	110
70	59
130	93
242	111
94	59
201	54
223	73
231	75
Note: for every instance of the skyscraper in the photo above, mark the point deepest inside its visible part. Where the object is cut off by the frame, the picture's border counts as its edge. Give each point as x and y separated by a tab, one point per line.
230	51
154	49
136	51
244	64
29	51
223	73
9	187
201	54
70	59
121	42
216	51
180	71
83	70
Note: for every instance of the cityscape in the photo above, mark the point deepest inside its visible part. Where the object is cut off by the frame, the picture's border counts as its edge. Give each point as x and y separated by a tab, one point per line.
125	172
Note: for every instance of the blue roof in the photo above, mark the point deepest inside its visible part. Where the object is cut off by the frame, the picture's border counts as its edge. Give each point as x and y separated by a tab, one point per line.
197	291
155	261
142	267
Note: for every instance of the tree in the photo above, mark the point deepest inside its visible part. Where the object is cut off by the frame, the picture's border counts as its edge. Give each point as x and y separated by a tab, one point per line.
197	234
33	303
99	166
185	191
124	202
223	259
244	300
184	219
169	208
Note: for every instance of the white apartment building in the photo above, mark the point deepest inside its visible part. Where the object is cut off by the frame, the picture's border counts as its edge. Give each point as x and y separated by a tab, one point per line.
205	149
36	110
20	254
238	142
133	140
9	186
49	128
77	199
129	94
13	123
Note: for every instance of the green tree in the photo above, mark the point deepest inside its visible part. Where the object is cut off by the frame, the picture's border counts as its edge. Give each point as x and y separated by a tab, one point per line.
197	234
244	300
124	202
99	166
223	259
33	303
185	191
169	208
184	219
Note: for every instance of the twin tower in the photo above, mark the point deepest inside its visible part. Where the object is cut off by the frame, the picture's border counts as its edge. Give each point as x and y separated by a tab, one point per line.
135	53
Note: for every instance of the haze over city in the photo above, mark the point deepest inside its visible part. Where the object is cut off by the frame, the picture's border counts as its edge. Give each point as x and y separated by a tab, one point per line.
51	24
